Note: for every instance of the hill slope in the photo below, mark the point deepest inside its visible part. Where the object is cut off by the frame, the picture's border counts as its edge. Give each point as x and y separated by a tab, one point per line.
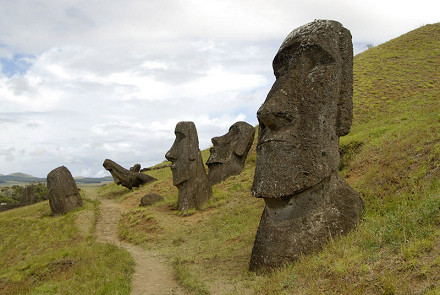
391	157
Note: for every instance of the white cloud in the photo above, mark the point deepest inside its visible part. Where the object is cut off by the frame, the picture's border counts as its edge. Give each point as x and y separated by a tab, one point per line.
38	152
8	154
111	79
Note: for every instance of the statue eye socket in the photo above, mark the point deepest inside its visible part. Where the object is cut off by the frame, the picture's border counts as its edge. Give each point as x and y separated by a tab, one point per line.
233	129
297	53
180	135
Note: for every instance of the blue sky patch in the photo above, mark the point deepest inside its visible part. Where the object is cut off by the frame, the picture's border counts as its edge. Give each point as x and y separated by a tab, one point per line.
18	64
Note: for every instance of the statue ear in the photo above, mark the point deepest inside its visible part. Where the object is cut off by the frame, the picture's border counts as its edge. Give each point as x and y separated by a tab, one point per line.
193	142
345	100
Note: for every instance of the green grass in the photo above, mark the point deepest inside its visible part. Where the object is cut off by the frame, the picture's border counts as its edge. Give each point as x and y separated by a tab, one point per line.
43	254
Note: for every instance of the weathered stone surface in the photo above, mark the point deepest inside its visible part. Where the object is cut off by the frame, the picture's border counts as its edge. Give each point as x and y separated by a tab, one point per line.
136	168
229	152
150	199
28	195
189	175
63	193
308	108
128	178
293	226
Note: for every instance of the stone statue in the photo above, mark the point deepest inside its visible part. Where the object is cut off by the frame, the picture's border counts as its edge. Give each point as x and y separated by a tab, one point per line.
229	152
63	193
28	195
308	108
128	178
189	175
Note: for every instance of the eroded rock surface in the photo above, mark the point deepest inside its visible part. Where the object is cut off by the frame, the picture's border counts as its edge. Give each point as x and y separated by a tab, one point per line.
28	195
151	199
128	178
308	108
229	152
189	175
63	193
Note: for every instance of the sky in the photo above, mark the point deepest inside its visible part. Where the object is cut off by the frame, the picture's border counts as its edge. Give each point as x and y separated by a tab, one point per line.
86	80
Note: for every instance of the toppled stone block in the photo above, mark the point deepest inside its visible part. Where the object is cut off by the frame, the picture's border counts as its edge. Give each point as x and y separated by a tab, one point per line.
128	178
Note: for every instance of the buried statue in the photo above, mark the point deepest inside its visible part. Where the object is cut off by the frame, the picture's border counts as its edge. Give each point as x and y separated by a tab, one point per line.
308	108
229	152
189	175
64	195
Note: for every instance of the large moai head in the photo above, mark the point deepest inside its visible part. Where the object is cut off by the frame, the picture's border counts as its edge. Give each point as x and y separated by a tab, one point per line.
308	108
229	152
184	152
189	175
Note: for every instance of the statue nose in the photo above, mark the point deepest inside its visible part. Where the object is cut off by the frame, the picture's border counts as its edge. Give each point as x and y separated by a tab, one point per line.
215	141
170	156
267	116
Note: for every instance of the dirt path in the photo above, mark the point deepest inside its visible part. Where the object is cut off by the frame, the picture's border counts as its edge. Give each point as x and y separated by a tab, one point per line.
152	274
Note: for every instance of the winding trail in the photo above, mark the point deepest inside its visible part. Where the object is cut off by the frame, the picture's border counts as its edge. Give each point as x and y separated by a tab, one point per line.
152	274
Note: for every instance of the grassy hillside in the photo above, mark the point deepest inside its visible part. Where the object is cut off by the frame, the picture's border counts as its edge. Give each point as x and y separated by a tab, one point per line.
391	157
43	254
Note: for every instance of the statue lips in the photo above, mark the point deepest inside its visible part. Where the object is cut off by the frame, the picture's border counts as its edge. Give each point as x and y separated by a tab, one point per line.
278	138
270	140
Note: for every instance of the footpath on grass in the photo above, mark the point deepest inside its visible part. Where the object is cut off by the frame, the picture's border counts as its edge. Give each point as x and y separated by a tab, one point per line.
153	275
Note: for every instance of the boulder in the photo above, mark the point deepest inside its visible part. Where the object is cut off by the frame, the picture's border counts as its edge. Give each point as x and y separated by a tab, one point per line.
150	199
63	193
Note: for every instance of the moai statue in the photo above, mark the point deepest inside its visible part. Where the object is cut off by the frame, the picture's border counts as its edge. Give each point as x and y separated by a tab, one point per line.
128	178
28	195
308	108
63	193
189	175
229	152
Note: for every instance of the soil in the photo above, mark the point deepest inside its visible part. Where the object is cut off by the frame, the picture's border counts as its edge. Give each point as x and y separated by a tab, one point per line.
153	274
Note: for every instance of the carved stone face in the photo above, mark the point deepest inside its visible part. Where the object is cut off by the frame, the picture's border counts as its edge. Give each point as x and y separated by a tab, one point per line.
300	121
183	152
128	178
229	151
237	141
119	173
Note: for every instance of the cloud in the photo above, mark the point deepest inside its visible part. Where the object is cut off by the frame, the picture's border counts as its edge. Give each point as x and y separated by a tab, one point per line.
85	80
8	154
38	152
